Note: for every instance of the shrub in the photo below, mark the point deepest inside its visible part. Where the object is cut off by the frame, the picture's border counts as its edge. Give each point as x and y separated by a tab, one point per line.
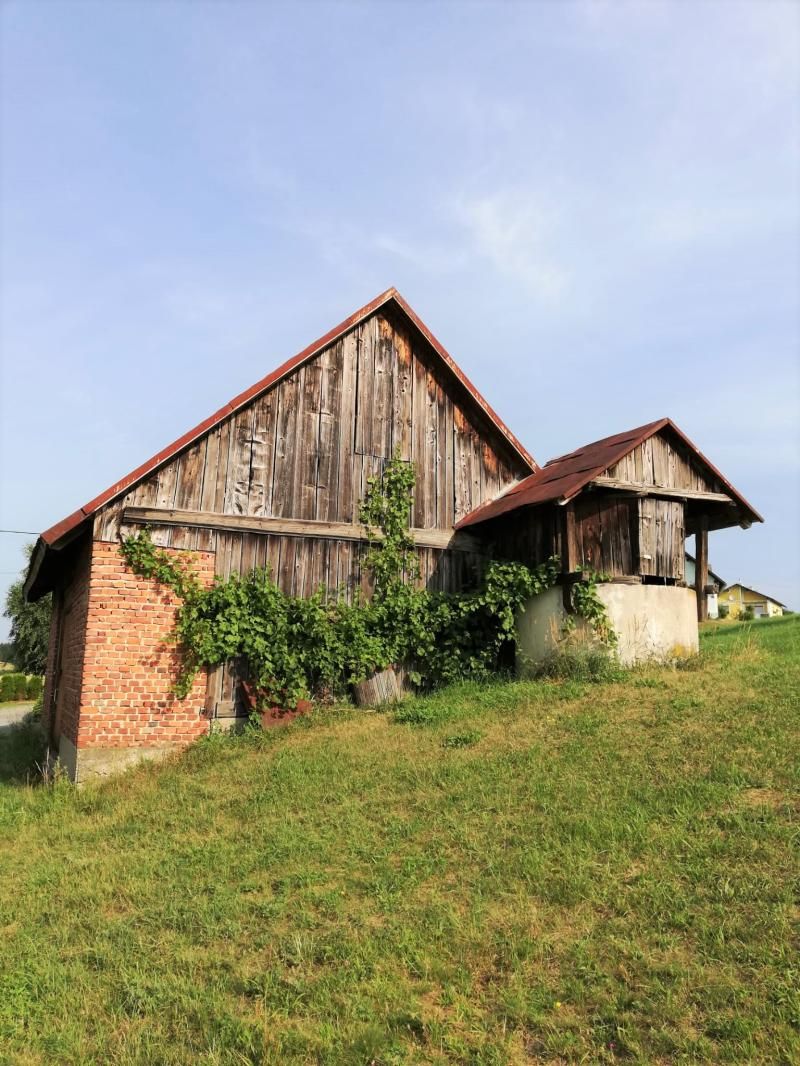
747	614
34	687
723	610
13	687
35	713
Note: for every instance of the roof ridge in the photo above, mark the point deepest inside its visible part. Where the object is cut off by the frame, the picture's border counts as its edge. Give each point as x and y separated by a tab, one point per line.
620	437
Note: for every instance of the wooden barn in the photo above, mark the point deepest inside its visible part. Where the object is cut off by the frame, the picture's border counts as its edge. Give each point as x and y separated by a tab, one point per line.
275	478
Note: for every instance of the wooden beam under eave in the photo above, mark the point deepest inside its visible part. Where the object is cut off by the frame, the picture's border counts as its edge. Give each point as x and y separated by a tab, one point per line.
291	527
657	490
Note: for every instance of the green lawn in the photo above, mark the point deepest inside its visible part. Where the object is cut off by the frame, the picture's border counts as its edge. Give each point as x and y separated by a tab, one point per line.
517	873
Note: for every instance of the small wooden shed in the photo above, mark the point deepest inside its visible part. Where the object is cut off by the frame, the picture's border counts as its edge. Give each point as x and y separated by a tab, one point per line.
622	506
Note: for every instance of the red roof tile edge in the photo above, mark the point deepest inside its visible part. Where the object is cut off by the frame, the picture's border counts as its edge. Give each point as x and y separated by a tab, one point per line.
56	532
515	496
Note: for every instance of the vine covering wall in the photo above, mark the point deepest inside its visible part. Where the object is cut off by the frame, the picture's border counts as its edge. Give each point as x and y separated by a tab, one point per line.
299	647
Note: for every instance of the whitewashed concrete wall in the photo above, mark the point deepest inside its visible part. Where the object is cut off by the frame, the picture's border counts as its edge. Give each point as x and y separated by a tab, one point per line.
652	623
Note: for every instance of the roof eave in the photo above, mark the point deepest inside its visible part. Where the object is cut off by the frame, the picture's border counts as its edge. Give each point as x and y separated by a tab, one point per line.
34	566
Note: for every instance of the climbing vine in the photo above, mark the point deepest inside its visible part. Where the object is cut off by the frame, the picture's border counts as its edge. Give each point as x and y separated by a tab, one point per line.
586	604
295	647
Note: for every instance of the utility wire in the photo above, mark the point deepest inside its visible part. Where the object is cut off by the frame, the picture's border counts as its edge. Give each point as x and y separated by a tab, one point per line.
21	532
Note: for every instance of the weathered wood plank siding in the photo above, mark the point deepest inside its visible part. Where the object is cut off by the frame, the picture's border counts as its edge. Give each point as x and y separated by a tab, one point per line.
307	447
662	538
663	461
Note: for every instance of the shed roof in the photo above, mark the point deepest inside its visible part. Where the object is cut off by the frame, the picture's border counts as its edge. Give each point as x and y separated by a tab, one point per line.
563	478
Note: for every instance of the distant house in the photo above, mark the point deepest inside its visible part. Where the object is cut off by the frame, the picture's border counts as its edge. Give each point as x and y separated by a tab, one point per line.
738	598
712	597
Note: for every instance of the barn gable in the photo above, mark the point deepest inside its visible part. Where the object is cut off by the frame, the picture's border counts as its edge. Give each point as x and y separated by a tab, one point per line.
300	446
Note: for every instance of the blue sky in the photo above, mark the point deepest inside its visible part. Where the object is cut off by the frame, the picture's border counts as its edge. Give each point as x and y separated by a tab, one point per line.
593	205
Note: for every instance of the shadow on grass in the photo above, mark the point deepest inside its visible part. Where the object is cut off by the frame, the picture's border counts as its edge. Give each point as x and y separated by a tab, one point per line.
22	751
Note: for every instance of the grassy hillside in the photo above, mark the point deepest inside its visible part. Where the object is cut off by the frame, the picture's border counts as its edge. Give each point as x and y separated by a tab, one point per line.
519	873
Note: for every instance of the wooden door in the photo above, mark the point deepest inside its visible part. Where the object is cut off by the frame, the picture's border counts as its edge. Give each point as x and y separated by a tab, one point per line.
223	692
662	538
57	696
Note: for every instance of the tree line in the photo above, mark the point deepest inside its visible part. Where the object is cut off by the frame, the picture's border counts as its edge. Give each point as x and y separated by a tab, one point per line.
26	648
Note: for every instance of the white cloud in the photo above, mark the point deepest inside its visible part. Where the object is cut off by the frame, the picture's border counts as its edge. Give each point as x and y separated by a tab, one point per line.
514	234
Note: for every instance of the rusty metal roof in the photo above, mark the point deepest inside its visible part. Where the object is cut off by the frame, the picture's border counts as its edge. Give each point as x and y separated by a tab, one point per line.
63	528
563	478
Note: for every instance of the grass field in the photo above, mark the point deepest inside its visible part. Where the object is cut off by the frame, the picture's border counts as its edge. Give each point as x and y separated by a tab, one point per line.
517	873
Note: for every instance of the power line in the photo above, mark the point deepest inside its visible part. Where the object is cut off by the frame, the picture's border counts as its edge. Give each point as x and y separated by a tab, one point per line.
21	532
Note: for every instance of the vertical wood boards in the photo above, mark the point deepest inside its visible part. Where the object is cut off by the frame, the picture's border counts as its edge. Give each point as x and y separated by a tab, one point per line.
419	450
569	547
365	391
429	470
330	397
285	447
348	488
602	537
647	536
462	465
402	393
663	461
189	488
307	444
661	538
237	489
383	380
223	461
307	447
262	456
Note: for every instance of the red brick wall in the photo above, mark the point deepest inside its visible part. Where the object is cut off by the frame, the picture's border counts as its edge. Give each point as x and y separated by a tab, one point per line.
129	666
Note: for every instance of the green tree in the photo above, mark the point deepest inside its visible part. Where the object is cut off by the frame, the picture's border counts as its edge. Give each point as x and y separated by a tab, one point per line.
30	626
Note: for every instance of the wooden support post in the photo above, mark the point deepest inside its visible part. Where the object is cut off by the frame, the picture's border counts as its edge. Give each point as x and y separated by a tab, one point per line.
701	567
569	560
